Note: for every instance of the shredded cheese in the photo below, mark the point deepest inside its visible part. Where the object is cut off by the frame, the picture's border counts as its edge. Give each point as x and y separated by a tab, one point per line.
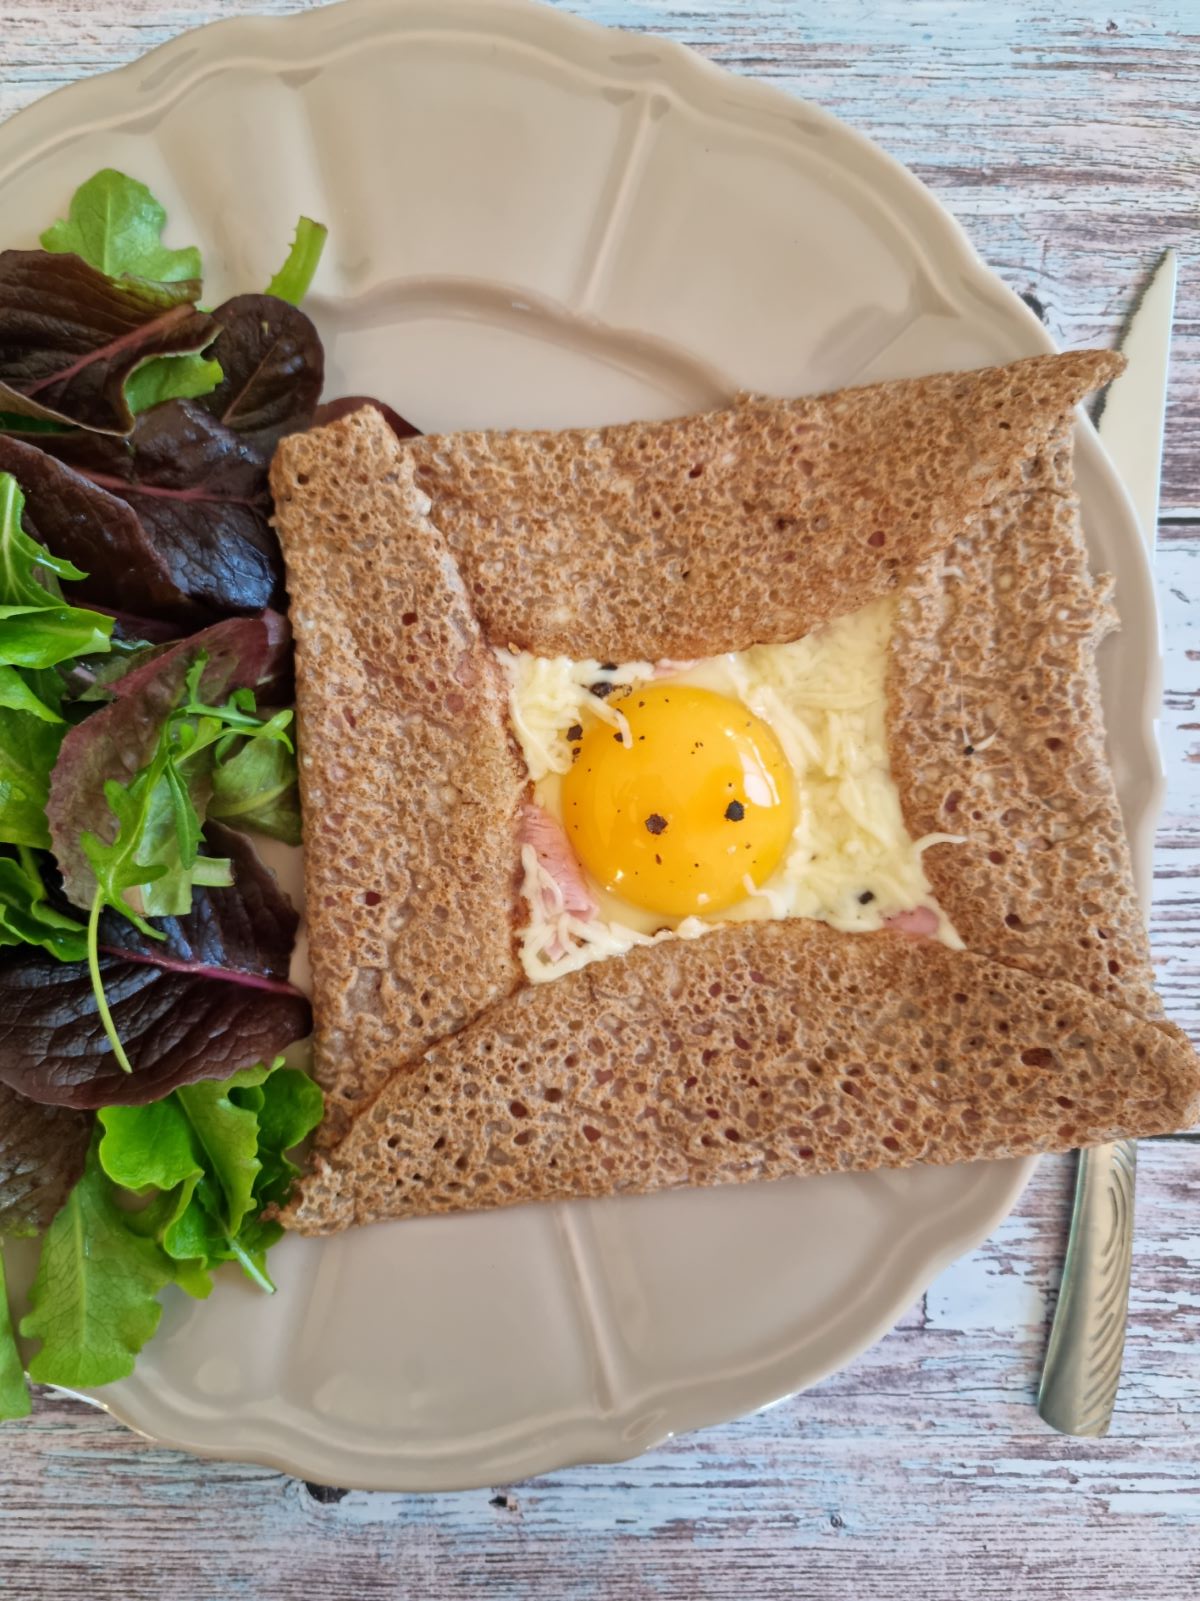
548	695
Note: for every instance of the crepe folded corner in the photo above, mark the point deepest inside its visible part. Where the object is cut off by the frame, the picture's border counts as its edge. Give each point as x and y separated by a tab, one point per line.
760	1050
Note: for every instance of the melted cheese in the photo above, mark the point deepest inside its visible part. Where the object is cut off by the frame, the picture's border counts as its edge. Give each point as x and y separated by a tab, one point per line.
824	697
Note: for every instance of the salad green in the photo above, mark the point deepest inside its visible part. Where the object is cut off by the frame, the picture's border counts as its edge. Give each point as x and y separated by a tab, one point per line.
127	754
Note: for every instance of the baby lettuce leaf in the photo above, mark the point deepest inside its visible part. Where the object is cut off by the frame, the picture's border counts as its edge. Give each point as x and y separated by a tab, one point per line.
255	789
200	491
292	281
28	917
70	337
170	378
96	531
115	224
192	1005
41	1155
273	365
94	1302
29	747
14	1393
118	741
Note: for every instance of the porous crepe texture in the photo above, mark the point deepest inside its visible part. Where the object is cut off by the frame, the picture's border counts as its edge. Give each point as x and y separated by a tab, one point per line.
732	528
678	1064
409	786
996	732
761	1051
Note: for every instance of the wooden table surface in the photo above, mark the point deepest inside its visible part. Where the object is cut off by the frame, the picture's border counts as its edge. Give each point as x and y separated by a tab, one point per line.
1065	136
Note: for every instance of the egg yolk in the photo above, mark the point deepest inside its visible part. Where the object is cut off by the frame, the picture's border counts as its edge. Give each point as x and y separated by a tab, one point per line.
676	820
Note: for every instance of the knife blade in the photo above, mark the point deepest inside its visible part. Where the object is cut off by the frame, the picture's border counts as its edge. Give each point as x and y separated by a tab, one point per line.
1082	1370
1135	406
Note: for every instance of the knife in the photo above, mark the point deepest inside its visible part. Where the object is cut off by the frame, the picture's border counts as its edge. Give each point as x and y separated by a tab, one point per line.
1082	1371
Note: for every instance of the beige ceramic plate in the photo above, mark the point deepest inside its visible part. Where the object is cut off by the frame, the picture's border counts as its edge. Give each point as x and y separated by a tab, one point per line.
534	221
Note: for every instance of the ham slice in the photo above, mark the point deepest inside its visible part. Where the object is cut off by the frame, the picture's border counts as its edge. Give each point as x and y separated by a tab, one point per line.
549	841
919	923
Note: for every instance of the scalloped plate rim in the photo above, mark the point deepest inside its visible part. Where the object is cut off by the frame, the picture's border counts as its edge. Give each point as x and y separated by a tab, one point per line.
54	118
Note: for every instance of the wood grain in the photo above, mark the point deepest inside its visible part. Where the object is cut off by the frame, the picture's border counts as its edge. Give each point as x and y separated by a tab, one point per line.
1064	137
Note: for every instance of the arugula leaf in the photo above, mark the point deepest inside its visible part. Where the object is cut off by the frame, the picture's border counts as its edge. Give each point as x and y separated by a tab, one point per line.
159	811
18	695
154	864
148	1147
37	629
28	749
116	224
154	1147
291	282
14	1393
123	736
27	917
29	574
94	1302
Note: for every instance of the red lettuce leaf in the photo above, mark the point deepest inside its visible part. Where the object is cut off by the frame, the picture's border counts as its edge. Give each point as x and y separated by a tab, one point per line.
70	337
101	534
273	364
211	998
201	493
344	405
119	739
42	1151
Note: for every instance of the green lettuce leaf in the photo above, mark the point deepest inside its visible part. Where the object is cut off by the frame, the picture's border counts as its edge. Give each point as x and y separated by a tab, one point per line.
94	1302
27	918
292	281
43	636
18	695
255	790
217	1154
116	225
37	628
292	1106
28	749
14	1393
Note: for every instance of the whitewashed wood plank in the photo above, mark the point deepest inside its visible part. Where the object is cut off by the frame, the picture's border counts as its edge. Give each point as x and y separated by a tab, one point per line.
1064	138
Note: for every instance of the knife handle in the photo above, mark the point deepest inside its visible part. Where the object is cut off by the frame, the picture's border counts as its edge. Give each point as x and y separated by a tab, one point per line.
1082	1372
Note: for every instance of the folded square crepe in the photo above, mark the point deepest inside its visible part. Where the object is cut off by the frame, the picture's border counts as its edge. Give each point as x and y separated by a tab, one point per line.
760	1050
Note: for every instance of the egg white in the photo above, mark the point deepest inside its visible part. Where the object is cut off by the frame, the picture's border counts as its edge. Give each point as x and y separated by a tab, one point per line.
824	698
